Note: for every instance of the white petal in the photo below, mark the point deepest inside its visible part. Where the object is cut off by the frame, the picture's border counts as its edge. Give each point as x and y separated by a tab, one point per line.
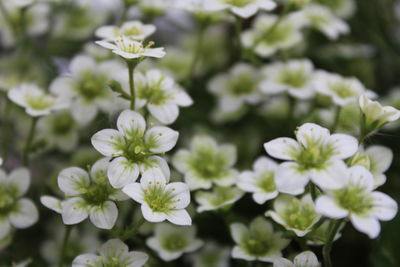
160	163
161	139
183	99
381	157
166	113
113	248
282	148
246	11
99	168
290	180
360	176
5	227
332	176
179	217
86	260
263	164
344	145
131	123
134	191
72	180
81	64
385	208
182	194
51	203
151	216
311	133
261	198
25	215
74	210
108	142
153	176
239	253
137	259
104	216
179	160
238	230
366	225
282	262
83	112
307	259
21	179
327	206
122	172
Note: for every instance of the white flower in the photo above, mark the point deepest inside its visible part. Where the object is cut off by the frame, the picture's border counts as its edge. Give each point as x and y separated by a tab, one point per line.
113	253
59	130
154	7
87	195
211	255
260	181
133	148
297	215
171	242
375	115
241	8
206	163
130	49
266	39
342	8
35	101
257	242
236	88
295	76
161	95
342	90
304	259
159	199
316	155
322	19
357	201
87	87
15	210
134	30
218	198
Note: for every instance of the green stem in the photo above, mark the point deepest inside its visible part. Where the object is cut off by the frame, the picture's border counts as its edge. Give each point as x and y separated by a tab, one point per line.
64	245
131	72
29	140
313	190
197	52
337	118
5	122
132	230
326	251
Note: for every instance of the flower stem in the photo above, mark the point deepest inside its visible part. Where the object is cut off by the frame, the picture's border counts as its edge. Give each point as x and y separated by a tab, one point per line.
197	52
64	245
328	245
28	143
337	118
131	72
132	230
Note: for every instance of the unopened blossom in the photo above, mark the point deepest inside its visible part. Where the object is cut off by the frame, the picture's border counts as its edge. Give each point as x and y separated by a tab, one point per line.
297	215
133	29
375	115
112	253
304	259
133	147
16	211
241	8
342	90
261	181
206	163
258	241
159	199
88	195
218	198
236	88
161	95
295	77
35	100
211	255
130	49
315	155
171	242
357	201
266	38
87	87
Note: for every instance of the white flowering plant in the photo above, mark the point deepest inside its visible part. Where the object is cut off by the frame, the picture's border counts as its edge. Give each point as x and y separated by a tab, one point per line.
205	133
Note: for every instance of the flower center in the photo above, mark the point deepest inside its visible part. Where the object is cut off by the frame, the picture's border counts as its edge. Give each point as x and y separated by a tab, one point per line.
8	199
256	243
158	199
238	3
62	124
354	199
39	102
154	93
208	163
132	31
298	215
242	85
222	195
342	89
99	190
92	86
294	78
129	46
317	20
276	35
267	182
174	242
314	156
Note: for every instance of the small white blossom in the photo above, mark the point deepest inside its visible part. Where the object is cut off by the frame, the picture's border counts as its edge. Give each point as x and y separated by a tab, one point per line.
241	8
171	242
35	100
260	181
304	259
113	253
258	241
133	148
159	199
316	155
206	163
211	255
15	210
134	30
218	198
295	76
357	201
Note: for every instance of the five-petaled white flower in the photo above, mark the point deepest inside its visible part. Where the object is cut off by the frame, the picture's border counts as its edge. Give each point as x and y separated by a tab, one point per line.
87	195
15	210
257	242
159	199
133	148
218	198
316	155
112	253
241	8
260	181
295	76
297	215
35	100
171	242
130	49
304	259
134	30
357	201
206	163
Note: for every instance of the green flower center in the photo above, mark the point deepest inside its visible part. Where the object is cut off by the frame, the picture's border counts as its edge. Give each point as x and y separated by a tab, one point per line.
354	199
154	94
242	85
342	89
222	195
314	156
99	190
40	102
208	163
174	242
8	199
129	46
294	78
257	243
132	31
159	199
317	20
62	124
92	86
298	215
277	35
267	182
238	3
